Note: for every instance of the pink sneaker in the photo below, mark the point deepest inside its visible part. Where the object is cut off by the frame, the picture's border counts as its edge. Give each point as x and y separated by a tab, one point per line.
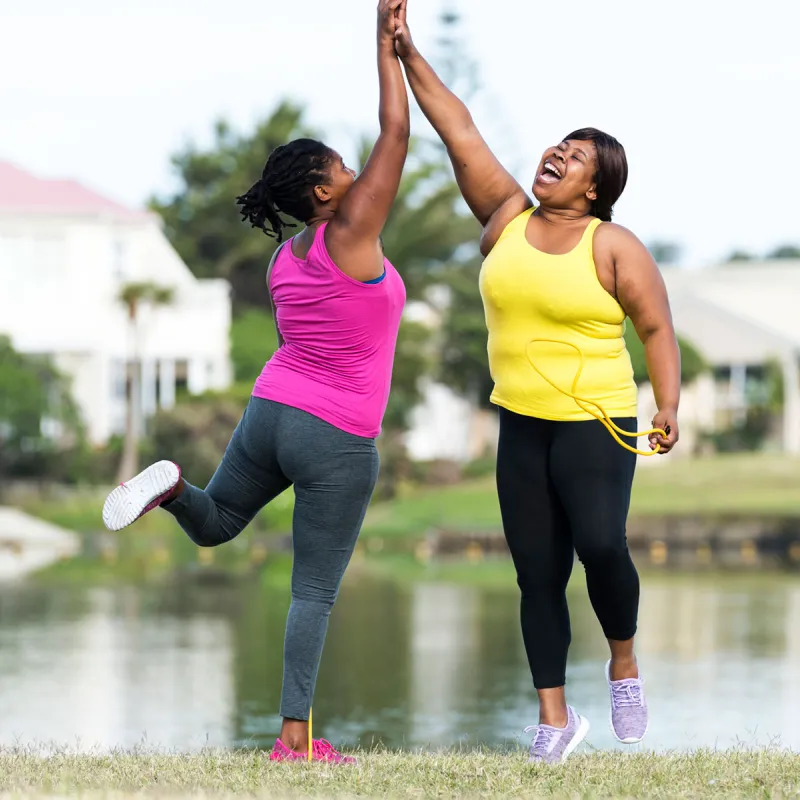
321	750
134	498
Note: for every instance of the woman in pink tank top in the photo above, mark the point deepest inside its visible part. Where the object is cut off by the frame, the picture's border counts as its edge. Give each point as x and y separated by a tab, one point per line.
319	402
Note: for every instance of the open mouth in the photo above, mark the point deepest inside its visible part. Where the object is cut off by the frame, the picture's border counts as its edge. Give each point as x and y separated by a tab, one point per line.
551	173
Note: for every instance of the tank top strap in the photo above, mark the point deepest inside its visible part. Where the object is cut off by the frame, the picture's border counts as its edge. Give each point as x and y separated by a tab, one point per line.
586	243
318	246
517	227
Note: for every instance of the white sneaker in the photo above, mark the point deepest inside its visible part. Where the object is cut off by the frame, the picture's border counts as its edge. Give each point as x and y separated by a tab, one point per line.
141	494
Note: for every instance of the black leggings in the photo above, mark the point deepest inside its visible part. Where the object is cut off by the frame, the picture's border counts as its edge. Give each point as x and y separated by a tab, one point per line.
565	487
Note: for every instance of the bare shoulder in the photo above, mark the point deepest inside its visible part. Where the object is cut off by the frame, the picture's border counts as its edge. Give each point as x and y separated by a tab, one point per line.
614	241
515	205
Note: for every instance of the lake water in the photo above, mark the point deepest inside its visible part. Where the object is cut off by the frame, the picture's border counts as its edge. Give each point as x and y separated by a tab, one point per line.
407	665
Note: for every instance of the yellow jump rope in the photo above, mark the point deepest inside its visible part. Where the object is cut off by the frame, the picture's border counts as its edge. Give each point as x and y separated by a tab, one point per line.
588	405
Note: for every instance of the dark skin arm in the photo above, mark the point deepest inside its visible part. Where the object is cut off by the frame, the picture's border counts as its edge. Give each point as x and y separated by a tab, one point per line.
269	293
641	292
353	235
492	194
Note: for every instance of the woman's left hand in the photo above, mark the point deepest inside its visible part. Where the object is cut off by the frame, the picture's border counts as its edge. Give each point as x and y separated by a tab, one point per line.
667	421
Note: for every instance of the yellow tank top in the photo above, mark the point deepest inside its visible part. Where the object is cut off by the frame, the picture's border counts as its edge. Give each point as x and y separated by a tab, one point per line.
529	295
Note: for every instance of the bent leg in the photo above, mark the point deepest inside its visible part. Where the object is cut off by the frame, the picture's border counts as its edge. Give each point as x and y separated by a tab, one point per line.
246	480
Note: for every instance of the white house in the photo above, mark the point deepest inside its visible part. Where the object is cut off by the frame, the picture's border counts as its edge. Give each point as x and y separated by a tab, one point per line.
740	317
65	253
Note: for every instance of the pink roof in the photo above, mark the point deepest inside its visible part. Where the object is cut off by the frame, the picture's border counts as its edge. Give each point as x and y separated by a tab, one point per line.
23	192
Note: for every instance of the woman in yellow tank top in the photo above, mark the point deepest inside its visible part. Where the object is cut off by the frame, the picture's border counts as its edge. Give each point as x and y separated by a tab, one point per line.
558	283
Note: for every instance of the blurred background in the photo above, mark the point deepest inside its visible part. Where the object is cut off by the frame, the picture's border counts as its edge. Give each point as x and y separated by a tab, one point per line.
134	320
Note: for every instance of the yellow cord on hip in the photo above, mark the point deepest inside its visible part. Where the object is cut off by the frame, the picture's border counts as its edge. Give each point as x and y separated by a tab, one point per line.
310	738
586	405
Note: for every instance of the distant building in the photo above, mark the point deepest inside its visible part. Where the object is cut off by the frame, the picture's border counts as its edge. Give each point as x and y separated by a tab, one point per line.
741	317
65	253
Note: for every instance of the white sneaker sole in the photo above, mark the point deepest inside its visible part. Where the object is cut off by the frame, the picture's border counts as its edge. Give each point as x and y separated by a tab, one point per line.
580	735
129	500
630	739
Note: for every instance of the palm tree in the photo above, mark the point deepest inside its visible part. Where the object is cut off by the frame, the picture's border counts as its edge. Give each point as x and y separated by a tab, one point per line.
134	296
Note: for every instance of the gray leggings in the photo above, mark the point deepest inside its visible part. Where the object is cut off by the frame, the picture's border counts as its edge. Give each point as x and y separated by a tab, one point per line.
334	474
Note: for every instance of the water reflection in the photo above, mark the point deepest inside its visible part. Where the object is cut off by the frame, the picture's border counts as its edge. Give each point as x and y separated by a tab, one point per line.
428	664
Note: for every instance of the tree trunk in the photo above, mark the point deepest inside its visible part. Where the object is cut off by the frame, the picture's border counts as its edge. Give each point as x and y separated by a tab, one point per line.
129	463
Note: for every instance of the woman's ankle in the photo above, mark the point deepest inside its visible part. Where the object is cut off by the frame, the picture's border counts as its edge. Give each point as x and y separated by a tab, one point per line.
294	734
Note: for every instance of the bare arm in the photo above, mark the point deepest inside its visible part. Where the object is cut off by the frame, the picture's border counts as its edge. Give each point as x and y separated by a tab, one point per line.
491	192
353	234
643	296
269	291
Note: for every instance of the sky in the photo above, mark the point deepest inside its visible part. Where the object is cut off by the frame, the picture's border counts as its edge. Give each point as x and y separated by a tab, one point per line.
703	96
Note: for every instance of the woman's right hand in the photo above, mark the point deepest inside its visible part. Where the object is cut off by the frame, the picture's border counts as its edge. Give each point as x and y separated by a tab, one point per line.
403	43
387	18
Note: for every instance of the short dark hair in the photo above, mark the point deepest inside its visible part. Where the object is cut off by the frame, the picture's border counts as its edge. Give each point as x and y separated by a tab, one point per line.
286	185
612	170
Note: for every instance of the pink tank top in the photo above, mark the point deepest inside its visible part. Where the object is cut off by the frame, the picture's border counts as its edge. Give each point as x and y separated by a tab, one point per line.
339	340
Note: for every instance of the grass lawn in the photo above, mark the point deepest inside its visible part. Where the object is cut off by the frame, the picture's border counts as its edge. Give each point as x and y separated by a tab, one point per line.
747	484
443	775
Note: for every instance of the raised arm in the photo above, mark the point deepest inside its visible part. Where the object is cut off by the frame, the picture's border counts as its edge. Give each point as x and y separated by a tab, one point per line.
492	194
643	296
353	235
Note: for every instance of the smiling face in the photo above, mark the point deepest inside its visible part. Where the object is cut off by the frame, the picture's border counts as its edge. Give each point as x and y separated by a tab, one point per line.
566	175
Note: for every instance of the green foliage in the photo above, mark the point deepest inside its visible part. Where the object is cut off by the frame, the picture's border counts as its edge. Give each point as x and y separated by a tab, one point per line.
39	422
132	295
692	362
785	251
665	253
412	360
195	434
201	218
253	341
464	360
427	226
740	256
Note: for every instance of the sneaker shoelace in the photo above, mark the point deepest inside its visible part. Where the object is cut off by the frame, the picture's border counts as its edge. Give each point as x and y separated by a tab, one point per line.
323	749
627	694
541	742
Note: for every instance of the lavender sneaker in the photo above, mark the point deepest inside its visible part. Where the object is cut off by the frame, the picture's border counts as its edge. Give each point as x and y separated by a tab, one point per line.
628	708
554	745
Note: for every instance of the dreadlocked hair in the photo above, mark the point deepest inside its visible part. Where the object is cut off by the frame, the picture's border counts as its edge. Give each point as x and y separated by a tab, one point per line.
286	186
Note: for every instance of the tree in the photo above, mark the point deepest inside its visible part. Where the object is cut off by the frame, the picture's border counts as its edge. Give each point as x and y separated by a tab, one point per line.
692	362
196	434
665	253
464	360
253	341
411	362
39	420
134	296
738	256
427	227
201	219
785	251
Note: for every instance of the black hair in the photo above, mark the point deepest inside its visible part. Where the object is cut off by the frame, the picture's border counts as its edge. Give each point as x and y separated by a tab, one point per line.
286	186
612	170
